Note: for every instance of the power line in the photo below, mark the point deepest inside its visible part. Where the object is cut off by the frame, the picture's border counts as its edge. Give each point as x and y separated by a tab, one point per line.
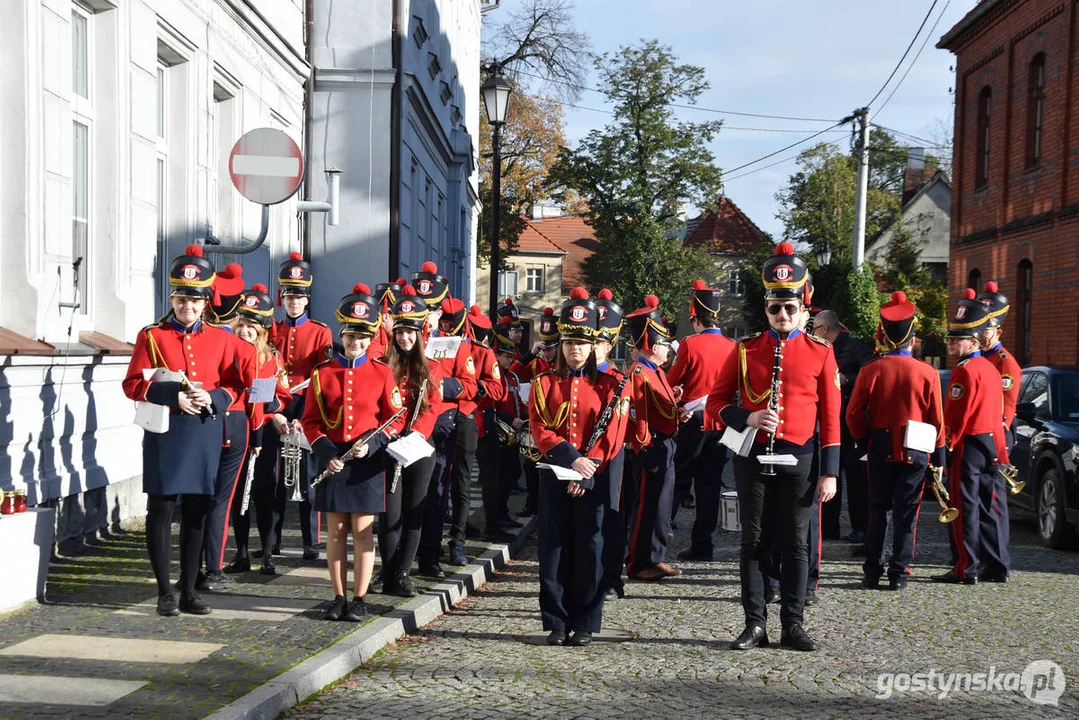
788	147
905	53
915	138
915	60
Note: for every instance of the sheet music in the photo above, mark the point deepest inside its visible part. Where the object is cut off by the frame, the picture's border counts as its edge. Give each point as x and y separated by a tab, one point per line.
739	443
443	346
562	473
695	405
410	448
523	390
150	416
920	436
788	460
262	390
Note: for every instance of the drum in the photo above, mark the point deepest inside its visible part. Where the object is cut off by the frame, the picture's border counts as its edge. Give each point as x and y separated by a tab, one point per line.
729	519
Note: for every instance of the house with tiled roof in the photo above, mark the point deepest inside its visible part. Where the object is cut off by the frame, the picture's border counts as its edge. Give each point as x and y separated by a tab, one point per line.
727	235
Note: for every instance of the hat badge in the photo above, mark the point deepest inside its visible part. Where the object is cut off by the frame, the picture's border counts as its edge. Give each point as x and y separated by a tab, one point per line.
783	272
602	312
578	313
360	309
961	312
251	301
295	272
407	306
424	286
190	272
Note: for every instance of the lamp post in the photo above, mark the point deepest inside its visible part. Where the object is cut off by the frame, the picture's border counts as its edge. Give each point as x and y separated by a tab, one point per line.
496	94
824	256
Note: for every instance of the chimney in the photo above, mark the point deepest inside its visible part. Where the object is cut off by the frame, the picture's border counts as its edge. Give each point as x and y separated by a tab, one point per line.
537	211
916	158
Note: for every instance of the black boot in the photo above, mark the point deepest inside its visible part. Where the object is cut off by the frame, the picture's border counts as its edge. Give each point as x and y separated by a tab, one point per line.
402	584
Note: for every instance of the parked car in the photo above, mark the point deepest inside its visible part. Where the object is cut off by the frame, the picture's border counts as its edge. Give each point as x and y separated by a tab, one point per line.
1046	450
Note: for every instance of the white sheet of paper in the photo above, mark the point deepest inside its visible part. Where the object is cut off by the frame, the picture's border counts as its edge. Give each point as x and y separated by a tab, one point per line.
301	440
788	460
410	448
920	436
695	405
523	390
262	390
562	473
740	443
149	416
299	387
443	346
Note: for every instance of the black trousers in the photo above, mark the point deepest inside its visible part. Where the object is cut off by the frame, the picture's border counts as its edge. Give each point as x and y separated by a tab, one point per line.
698	463
308	470
771	567
264	493
531	484
241	522
228	471
444	439
652	522
977	490
509	477
854	475
489	462
399	527
614	523
159	512
570	557
786	500
894	487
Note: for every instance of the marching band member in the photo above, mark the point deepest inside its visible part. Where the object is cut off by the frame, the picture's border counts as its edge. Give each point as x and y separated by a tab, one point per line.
352	396
253	322
700	457
303	343
788	381
515	330
386	294
183	460
889	393
974	429
653	424
400	525
525	368
566	407
511	411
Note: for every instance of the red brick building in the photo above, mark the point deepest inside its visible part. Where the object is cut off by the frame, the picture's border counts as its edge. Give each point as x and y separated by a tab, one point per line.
1015	192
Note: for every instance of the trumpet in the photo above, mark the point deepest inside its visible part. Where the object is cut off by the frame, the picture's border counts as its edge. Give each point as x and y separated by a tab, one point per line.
356	446
507	436
1010	473
947	513
291	455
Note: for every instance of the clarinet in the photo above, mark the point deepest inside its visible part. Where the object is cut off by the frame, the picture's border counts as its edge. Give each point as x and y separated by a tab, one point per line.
605	417
768	469
415	413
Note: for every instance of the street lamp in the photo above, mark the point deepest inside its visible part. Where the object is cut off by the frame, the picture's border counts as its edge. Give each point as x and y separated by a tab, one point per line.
496	95
824	256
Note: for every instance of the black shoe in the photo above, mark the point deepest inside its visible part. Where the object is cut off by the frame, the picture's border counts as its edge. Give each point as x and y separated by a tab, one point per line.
527	511
471	531
772	595
336	610
276	549
402	584
166	605
434	570
200	581
357	611
257	554
811	598
753	636
191	603
310	552
556	637
268	567
498	535
897	583
871	583
217	581
951	578
508	522
697	555
239	564
378	584
581	638
994	577
457	556
796	638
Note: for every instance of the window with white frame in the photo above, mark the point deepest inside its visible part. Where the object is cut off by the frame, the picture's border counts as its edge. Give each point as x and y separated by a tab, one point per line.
224	210
534	280
171	122
507	283
734	285
82	106
162	147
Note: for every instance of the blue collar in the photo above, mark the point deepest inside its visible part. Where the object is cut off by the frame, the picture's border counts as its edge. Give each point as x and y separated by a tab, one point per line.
793	333
995	348
295	322
711	331
904	353
602	367
647	363
968	356
226	328
579	373
181	329
355	363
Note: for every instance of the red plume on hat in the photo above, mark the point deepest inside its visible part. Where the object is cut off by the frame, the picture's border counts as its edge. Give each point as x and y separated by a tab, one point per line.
548	311
408	290
194	250
578	293
401	281
259	287
969	294
605	294
506	321
784	248
361	288
429	267
699	285
992	287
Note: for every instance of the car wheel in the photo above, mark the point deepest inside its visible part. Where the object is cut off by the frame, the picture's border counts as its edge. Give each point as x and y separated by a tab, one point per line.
1053	528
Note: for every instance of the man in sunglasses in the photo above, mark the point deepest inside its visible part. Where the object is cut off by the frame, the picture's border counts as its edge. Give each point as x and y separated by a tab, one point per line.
788	382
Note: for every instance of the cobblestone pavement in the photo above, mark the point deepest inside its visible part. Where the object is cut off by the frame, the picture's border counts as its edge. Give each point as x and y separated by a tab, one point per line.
486	658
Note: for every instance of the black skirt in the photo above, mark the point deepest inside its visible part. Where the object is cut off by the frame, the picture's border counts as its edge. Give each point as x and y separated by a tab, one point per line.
359	488
184	460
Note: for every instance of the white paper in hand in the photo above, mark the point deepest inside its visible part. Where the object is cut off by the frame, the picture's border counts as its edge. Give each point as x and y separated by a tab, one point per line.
740	443
695	405
786	460
262	390
443	346
410	448
149	416
523	391
562	473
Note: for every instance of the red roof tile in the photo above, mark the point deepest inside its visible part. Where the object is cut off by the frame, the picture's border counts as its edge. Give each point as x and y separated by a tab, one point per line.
726	229
574	236
532	239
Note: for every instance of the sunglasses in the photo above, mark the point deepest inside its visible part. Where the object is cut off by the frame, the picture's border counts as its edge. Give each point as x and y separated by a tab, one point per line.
790	308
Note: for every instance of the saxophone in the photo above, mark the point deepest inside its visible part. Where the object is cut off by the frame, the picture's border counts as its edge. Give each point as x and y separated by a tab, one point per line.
768	469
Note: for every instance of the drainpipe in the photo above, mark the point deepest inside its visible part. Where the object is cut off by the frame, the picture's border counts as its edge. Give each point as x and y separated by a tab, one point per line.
396	99
308	102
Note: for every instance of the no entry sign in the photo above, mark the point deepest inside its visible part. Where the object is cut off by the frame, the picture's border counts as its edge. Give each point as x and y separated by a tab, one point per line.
266	166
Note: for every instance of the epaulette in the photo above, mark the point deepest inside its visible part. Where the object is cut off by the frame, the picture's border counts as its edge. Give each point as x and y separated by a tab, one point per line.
317	322
638	369
751	336
818	339
327	361
963	362
545	372
381	360
151	326
1003	354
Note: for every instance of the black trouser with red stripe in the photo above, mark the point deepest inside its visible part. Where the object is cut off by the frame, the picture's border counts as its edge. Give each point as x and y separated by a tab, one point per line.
228	470
977	490
444	440
652	521
894	487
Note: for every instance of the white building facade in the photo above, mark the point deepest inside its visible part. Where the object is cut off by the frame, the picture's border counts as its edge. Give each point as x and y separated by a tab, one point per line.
118	120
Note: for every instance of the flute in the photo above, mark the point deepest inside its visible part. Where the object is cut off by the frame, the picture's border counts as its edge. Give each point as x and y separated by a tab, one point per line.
411	421
355	447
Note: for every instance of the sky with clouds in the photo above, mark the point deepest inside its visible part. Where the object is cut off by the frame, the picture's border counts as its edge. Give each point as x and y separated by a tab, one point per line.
802	58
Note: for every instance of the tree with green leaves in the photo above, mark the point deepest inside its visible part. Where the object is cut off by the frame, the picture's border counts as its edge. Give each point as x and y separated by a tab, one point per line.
903	270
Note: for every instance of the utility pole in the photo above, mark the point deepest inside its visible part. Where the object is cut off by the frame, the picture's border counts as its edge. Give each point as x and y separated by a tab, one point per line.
863	186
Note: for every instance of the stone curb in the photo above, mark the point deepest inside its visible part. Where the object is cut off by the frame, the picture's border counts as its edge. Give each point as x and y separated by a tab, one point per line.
272	698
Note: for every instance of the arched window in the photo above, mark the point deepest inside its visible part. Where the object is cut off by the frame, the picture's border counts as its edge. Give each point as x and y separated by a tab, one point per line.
974	279
981	160
1024	289
1035	109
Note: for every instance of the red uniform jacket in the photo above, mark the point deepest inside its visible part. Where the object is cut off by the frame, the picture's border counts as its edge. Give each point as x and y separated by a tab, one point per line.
889	392
563	413
379	342
425	421
488	376
303	343
207	354
1011	375
528	367
349	398
699	362
654	409
247	364
458	380
808	392
974	404
261	412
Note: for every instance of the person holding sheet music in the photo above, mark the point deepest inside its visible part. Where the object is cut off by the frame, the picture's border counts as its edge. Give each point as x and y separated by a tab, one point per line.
351	398
895	398
566	412
254	318
789	383
400	525
183	460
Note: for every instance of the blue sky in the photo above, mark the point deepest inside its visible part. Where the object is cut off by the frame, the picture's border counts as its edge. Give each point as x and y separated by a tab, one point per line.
803	58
